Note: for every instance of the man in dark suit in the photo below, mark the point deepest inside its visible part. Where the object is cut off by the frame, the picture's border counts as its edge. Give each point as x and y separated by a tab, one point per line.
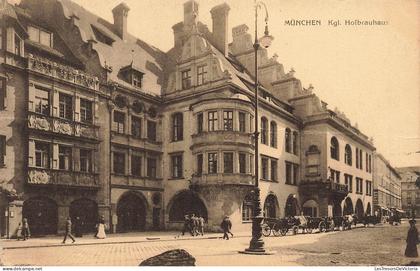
68	231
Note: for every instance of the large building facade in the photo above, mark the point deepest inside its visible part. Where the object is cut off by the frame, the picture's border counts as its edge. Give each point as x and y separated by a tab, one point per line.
97	122
410	191
387	187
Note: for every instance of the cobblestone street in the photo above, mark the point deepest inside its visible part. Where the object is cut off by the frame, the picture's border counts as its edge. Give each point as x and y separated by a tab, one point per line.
380	245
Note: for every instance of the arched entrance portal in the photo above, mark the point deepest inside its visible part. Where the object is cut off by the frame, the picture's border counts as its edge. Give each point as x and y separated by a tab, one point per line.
369	209
348	207
310	208
42	215
184	203
270	206
85	213
359	208
292	206
131	212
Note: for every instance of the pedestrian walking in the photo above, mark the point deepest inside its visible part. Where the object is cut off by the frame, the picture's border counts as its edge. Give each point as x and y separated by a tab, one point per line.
194	225
186	227
19	231
25	229
68	231
412	240
201	225
226	226
101	228
78	227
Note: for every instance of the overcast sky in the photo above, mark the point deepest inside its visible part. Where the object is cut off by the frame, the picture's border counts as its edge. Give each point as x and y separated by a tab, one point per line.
369	72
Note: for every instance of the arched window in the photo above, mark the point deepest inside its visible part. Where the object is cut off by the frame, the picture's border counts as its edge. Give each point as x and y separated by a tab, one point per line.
295	142
247	208
273	134
348	155
264	131
335	154
177	127
288	140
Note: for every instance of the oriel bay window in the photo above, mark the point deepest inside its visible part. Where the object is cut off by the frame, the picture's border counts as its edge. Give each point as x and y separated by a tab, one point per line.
212	120
136	165
136	127
186	79
151	167
176	161
66	106
64	157
119	162
119	122
200	123
242	163
42	154
85	160
86	115
212	163
228	120
177	127
199	164
242	122
228	162
42	101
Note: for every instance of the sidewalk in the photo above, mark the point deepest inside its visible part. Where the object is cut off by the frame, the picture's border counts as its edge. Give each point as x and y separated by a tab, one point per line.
119	238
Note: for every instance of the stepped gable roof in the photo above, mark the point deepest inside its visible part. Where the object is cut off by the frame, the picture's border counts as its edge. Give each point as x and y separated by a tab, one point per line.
131	51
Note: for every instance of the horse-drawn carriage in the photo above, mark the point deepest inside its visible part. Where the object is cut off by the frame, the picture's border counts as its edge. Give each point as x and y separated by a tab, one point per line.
280	226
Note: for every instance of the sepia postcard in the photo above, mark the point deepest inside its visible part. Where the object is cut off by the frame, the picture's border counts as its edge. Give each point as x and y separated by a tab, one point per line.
209	133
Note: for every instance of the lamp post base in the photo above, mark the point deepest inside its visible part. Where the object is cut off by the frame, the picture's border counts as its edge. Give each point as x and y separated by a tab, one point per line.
257	251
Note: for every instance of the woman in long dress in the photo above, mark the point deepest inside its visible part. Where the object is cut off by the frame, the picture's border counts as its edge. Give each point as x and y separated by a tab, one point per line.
101	229
412	240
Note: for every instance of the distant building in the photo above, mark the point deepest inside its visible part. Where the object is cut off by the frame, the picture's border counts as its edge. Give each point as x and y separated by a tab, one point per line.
386	187
94	121
410	191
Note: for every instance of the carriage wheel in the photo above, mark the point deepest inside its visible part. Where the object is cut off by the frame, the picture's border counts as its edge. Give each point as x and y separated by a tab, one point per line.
283	231
266	230
322	227
309	230
277	231
295	230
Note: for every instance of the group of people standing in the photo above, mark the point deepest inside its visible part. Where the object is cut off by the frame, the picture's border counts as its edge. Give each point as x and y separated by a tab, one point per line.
193	224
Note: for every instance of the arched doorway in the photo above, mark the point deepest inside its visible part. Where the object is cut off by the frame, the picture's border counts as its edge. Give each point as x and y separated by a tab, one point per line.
85	212
42	215
369	209
131	212
186	202
310	208
337	209
348	207
292	206
270	206
359	208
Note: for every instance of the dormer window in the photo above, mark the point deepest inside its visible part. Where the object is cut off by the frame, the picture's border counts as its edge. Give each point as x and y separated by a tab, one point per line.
132	75
41	36
136	80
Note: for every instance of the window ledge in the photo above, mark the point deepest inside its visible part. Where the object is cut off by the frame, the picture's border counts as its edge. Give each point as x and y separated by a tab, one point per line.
176	178
247	222
269	181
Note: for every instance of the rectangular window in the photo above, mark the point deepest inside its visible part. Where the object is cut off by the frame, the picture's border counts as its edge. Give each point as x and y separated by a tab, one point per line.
199	164
3	90
228	162
367	162
242	163
119	122
212	119
295	143
64	158
42	154
151	130
42	101
18	45
295	173
289	173
2	149
177	127
176	166
273	174
151	167
348	180
264	168
66	106
212	163
136	165
186	79
228	120
357	158
40	36
119	162
85	160
200	123
370	163
136	127
201	75
359	186
136	80
361	159
241	122
86	115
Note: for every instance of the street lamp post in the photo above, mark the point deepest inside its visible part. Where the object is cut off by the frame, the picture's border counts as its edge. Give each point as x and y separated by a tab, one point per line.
256	245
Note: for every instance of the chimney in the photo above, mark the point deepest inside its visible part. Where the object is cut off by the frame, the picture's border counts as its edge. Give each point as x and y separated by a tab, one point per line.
219	15
190	13
120	13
